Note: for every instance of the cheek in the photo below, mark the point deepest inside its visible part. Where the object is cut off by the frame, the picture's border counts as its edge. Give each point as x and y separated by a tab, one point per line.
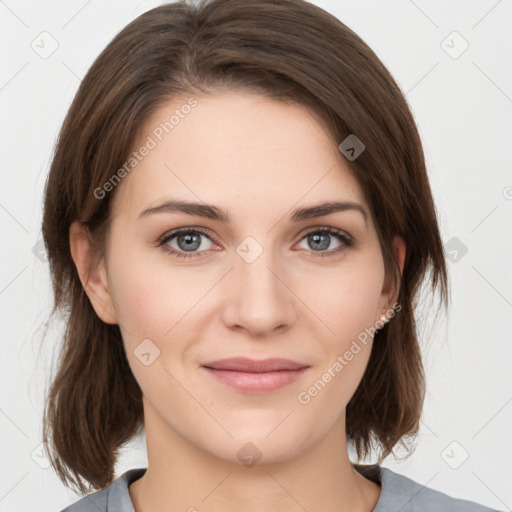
347	306
152	306
151	297
346	298
145	304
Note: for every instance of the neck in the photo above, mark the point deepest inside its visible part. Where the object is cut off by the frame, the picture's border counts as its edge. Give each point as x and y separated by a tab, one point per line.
182	476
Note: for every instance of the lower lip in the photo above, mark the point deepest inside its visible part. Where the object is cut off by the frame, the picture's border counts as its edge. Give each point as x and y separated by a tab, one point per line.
256	382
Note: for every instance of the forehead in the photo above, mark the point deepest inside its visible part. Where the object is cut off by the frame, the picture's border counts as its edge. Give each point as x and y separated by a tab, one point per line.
235	149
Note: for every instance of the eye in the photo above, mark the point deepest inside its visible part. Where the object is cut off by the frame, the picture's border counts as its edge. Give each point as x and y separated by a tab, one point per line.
186	243
322	239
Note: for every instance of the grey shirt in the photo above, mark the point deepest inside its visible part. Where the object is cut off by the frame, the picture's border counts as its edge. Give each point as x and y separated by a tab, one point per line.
398	494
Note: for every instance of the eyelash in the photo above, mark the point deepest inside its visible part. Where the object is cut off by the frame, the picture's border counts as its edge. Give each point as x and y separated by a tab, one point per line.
347	242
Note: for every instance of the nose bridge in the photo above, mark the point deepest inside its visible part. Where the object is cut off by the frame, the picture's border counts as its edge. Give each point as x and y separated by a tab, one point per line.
261	301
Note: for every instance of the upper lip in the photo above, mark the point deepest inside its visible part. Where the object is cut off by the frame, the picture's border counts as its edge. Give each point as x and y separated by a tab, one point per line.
244	364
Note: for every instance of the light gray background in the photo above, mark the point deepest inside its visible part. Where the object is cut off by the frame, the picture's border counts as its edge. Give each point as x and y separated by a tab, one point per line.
463	107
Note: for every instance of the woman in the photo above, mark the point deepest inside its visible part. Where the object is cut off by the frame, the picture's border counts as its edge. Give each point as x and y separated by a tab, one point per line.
238	219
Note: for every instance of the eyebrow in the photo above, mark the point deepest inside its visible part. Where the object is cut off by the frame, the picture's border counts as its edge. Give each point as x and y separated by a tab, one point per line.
213	212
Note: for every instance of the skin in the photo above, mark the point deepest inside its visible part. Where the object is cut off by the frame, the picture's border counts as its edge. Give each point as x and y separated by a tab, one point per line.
258	159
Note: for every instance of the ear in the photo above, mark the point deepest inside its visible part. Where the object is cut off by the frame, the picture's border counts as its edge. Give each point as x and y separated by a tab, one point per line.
94	280
389	295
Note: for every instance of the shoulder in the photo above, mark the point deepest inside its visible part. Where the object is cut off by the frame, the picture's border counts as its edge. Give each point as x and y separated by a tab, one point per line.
116	496
399	492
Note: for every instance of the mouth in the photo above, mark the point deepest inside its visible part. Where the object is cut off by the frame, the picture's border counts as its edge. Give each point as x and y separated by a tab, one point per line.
255	376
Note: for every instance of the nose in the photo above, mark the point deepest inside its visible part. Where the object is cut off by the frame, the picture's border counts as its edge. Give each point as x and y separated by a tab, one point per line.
258	297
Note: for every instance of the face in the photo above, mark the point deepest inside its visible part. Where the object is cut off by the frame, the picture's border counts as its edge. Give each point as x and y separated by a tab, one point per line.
262	275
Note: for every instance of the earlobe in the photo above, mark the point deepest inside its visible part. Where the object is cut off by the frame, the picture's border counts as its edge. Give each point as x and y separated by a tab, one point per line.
93	278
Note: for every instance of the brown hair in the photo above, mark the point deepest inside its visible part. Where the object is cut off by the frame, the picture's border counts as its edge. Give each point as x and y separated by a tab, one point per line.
287	50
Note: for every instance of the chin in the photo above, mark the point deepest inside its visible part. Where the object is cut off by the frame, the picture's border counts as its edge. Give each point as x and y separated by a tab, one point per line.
257	448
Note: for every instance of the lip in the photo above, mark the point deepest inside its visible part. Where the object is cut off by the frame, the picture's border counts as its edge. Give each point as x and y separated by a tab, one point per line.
256	376
245	364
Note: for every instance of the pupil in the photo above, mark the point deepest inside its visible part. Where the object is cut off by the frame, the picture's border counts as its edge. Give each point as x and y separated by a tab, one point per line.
317	239
192	241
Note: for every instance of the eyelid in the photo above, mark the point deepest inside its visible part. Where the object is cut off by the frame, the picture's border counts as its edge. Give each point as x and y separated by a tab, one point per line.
323	228
346	238
174	232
